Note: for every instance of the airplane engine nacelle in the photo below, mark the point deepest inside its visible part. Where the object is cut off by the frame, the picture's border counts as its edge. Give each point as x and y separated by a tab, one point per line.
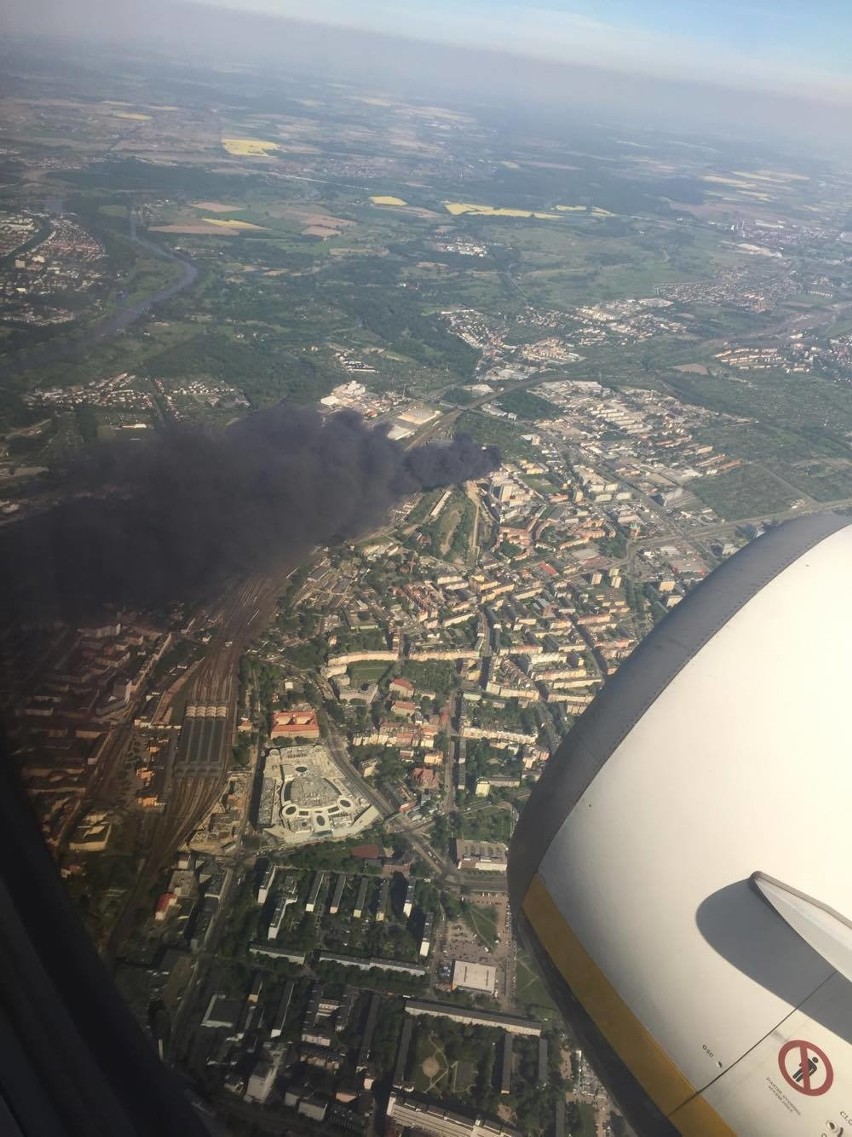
682	872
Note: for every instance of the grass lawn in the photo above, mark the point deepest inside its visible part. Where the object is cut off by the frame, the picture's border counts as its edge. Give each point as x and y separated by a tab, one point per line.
447	522
464	1075
482	920
430	1070
587	1121
745	492
530	991
526	405
492	824
367	672
487	430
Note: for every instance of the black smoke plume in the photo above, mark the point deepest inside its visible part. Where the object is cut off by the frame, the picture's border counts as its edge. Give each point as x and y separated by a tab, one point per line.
157	522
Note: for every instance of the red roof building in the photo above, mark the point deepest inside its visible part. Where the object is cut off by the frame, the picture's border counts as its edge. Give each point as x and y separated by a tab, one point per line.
424	779
401	686
164	905
295	724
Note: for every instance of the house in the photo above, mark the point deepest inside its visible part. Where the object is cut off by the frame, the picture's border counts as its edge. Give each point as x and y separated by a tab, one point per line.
295	724
403	687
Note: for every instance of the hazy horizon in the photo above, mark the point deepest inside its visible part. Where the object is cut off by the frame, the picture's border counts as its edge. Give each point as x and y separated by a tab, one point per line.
404	57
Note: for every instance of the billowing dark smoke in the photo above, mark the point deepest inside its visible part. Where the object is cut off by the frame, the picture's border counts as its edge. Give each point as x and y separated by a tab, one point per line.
163	521
445	464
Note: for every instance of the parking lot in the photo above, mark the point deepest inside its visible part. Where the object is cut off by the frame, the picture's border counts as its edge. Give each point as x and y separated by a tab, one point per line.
481	935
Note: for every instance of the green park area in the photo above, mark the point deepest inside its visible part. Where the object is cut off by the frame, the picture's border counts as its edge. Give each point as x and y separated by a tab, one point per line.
526	405
455	1063
530	992
436	1073
809	461
745	492
482	921
489	823
368	672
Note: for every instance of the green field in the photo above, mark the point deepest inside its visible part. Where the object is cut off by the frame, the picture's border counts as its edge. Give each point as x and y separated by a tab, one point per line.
428	1052
817	406
530	991
824	481
150	274
586	1116
466	289
482	921
588	259
526	405
436	675
448	535
816	465
433	1073
460	396
494	431
446	522
464	1075
367	672
745	492
490	824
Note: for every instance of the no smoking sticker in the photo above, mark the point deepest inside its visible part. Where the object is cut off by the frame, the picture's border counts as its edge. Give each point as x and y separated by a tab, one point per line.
805	1067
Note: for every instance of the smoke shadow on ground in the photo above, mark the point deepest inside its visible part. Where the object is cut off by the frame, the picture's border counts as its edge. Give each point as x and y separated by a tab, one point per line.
166	520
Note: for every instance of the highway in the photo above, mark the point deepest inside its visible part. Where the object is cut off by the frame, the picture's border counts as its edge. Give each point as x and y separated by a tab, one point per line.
724	528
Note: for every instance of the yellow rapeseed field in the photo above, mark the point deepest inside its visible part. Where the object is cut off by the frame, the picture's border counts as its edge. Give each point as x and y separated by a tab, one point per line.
595	210
248	147
215	207
456	208
735	183
385	200
778	175
229	223
129	114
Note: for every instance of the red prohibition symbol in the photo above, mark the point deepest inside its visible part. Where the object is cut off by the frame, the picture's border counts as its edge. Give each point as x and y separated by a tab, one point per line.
805	1067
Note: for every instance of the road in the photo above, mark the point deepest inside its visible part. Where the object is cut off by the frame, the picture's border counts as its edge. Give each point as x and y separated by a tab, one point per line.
245	612
397	822
665	519
724	528
339	752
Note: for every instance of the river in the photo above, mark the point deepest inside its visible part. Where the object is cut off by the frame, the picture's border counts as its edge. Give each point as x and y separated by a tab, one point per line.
75	344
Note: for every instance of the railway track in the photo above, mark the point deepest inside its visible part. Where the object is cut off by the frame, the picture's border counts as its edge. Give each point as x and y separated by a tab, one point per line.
191	794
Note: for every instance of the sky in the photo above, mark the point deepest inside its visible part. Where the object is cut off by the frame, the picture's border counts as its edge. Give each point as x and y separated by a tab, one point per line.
778	70
786	45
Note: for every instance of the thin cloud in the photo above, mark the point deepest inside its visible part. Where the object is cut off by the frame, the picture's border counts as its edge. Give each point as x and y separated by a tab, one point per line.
569	35
554	65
